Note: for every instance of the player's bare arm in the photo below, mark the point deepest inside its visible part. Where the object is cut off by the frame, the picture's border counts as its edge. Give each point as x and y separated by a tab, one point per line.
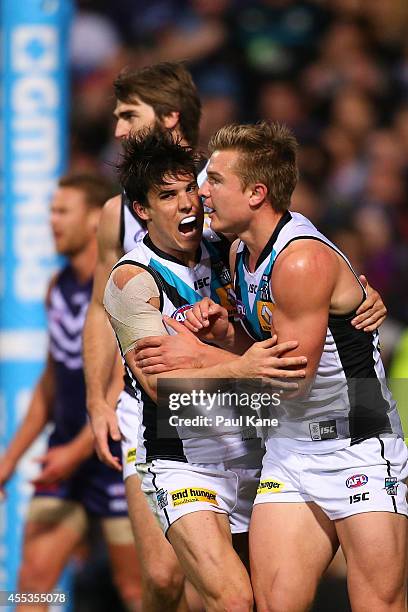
99	344
134	316
302	305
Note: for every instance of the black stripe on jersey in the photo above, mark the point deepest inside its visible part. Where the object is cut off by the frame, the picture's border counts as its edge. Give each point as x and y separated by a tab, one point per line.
158	448
388	470
150	470
269	245
368	414
148	242
158	279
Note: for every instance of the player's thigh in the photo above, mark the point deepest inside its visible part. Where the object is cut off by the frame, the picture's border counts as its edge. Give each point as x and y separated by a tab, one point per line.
290	544
53	530
375	545
203	544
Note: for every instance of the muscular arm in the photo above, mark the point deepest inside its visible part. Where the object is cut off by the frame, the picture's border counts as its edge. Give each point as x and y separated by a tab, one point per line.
99	344
302	305
132	301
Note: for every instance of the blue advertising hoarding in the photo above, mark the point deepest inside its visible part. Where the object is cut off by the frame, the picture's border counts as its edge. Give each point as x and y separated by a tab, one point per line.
34	135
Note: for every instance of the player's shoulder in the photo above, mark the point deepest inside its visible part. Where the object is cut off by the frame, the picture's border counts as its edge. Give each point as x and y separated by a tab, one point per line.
125	271
304	264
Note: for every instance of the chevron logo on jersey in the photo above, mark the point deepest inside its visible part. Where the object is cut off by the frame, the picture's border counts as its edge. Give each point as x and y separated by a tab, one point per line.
264	311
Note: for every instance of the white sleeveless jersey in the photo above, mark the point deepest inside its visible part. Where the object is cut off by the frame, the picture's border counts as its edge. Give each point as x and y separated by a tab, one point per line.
180	287
349	400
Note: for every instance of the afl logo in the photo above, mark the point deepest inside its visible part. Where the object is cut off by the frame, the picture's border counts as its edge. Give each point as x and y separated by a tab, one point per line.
358	480
180	313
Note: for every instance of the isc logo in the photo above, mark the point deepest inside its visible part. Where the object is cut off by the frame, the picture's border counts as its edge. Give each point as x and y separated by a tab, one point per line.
325	430
200	283
359	497
358	480
252	288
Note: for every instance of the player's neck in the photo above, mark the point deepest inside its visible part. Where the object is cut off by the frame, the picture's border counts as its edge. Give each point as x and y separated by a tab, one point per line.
258	233
83	263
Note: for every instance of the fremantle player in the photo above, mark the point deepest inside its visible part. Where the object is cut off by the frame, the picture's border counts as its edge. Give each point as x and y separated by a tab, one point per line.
335	471
202	482
73	484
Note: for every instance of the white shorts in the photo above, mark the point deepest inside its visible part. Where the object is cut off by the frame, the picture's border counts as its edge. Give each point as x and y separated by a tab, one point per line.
128	414
365	477
178	488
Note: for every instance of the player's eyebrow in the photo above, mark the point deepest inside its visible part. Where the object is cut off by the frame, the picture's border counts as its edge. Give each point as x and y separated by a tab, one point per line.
214	174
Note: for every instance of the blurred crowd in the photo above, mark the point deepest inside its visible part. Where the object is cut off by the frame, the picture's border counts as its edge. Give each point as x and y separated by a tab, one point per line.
335	71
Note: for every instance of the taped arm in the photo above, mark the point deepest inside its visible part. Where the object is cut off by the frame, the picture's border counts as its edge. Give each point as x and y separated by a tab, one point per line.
132	301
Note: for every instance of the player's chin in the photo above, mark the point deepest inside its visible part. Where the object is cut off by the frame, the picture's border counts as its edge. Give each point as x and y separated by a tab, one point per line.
218	225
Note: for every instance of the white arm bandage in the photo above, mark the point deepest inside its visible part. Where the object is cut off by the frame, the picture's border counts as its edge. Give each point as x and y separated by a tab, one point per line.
131	315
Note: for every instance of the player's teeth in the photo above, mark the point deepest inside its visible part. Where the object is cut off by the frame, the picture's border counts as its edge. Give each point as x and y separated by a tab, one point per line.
188	220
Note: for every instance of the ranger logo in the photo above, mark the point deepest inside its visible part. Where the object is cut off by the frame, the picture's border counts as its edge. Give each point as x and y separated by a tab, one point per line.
131	455
270	485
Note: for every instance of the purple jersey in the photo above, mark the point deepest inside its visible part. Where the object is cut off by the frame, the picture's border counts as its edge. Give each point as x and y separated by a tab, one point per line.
99	488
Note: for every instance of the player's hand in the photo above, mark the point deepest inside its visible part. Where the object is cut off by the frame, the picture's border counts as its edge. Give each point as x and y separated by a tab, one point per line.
157	354
104	424
266	360
6	471
208	320
372	311
58	463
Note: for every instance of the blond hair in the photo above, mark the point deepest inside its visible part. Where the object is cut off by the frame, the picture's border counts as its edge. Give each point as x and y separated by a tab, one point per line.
268	155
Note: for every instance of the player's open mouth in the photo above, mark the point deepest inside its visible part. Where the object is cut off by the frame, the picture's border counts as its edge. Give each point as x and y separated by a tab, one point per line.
188	225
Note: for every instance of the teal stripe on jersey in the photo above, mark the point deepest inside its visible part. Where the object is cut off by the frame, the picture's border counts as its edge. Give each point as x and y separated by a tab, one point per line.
182	288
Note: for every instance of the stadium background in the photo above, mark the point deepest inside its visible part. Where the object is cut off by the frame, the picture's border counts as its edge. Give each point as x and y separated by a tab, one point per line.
336	71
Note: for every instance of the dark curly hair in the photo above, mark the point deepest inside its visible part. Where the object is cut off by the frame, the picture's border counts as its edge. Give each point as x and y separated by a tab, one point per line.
148	158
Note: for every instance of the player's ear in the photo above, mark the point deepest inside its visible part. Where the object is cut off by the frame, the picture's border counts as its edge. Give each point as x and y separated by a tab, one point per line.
141	211
171	120
258	194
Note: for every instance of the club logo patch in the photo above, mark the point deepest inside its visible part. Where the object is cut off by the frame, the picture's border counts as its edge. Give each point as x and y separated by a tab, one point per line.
391	485
162	500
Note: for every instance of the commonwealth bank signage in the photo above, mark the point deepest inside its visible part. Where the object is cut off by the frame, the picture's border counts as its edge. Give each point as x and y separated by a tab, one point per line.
34	101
